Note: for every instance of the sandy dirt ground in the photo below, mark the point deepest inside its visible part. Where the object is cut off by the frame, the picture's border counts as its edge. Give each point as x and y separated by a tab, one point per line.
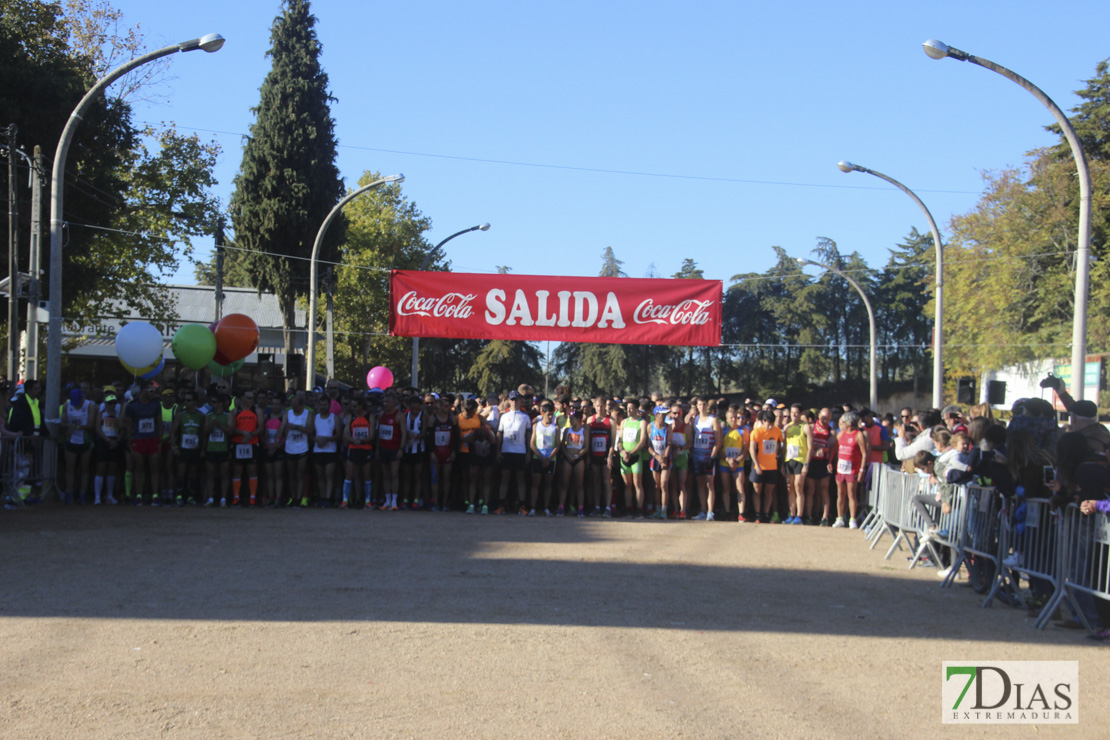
194	623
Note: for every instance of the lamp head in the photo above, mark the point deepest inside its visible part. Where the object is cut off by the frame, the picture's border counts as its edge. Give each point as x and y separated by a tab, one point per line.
394	178
846	166
936	49
801	261
483	227
209	42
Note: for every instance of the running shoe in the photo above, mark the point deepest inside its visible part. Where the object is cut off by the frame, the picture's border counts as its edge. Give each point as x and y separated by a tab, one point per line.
853	524
581	513
743	519
470	509
343	505
112	500
700	517
798	520
179	501
681	515
485	510
825	522
606	514
532	512
155	502
138	501
839	524
499	510
235	501
209	503
254	501
710	517
775	518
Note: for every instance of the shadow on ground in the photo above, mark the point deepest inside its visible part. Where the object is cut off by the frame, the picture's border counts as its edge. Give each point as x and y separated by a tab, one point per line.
309	566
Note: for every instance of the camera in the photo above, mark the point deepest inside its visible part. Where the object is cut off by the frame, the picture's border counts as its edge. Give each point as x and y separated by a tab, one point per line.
1052	382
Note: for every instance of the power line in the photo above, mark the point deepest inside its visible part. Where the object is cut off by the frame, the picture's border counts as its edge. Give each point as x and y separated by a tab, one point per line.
596	170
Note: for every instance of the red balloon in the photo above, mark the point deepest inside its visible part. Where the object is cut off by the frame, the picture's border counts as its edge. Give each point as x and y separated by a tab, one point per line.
236	337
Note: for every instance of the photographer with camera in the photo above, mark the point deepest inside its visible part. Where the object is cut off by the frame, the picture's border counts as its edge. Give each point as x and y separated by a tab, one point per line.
912	439
1093	472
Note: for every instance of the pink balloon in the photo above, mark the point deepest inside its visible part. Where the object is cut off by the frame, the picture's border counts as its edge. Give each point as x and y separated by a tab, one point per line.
379	377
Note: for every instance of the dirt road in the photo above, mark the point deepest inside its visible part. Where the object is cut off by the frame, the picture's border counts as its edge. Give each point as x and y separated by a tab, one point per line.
139	623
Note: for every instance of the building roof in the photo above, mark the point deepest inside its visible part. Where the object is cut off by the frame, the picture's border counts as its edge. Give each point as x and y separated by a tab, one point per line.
197	304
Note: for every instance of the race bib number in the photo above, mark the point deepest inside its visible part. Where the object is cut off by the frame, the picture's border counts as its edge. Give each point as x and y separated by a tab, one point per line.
770	447
243	452
599	443
146	426
574	440
703	442
659	444
271	436
385	432
731	452
443	439
631	435
296	437
110	425
217	435
77	438
360	434
844	467
190	441
547	443
793	451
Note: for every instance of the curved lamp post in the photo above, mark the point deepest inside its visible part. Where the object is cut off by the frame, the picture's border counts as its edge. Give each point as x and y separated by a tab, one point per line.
939	50
209	43
310	349
938	320
424	266
874	402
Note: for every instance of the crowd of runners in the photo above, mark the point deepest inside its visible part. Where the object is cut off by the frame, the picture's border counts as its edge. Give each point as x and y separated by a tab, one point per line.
646	457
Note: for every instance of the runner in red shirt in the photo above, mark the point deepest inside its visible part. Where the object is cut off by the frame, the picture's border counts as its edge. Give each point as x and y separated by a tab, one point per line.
391	436
852	450
445	440
601	440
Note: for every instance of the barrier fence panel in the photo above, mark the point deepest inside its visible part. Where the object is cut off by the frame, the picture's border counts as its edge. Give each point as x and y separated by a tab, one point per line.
983	540
1086	558
874	492
1031	547
20	468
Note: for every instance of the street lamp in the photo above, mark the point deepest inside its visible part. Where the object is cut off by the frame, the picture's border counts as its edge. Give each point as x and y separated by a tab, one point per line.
939	50
938	321
209	43
870	320
310	350
424	266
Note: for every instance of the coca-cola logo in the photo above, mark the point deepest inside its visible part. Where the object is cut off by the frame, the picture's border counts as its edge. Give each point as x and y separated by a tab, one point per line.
449	306
689	312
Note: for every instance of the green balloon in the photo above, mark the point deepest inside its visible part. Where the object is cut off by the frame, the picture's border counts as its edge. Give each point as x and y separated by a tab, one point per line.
194	346
225	371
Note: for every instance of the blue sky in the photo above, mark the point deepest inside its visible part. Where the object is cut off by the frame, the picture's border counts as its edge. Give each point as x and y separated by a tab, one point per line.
532	116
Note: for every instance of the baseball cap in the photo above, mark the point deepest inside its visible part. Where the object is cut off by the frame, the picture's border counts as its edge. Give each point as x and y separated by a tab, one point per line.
1085	410
168	392
513	395
110	398
770	402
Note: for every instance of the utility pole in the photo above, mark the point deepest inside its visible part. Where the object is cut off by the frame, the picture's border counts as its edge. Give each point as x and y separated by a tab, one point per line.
33	269
219	268
329	289
13	262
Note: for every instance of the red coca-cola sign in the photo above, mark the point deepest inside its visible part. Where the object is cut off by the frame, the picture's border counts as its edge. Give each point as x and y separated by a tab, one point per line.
564	309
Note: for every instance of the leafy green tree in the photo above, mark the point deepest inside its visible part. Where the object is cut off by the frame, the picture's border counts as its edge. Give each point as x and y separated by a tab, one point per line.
902	298
502	364
119	179
288	180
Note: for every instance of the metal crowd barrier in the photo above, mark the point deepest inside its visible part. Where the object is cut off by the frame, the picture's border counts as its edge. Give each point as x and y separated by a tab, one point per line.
1084	559
1033	551
20	468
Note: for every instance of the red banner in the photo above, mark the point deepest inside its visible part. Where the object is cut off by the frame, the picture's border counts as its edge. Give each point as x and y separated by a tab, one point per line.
561	309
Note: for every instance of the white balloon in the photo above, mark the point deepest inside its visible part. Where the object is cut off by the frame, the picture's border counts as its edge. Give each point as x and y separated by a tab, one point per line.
139	344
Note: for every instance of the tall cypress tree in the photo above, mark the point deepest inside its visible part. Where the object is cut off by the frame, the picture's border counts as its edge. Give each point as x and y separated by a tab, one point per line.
288	180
